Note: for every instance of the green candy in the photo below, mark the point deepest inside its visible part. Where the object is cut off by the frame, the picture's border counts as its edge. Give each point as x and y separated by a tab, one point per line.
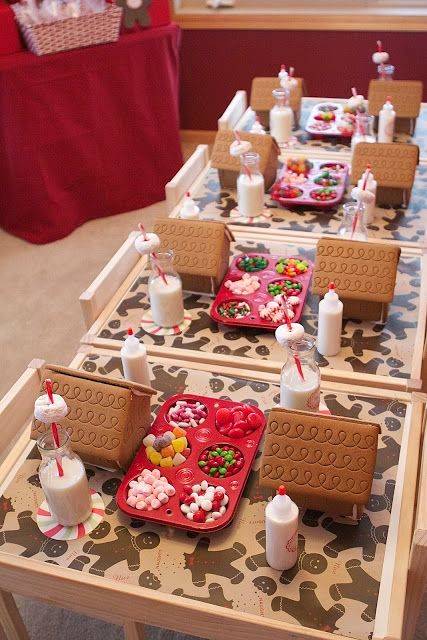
222	471
202	463
213	470
214	454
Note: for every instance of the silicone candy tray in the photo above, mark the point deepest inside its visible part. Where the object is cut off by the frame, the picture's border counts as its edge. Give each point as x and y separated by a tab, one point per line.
301	193
200	438
267	275
319	124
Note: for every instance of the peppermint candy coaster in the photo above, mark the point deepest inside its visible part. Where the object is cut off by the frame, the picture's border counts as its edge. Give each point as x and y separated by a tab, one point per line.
49	525
289	144
156	330
236	216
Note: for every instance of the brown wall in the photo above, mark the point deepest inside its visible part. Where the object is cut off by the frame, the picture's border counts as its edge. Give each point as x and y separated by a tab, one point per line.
214	64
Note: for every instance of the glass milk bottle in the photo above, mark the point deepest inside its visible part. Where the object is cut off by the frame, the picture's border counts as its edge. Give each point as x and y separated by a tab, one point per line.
364	129
295	392
281	117
250	186
353	226
165	291
385	71
68	496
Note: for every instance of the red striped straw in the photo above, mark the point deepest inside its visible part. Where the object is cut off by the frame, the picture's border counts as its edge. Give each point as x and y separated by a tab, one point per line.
380	49
48	387
153	255
364	185
248	172
296	357
367	173
237	136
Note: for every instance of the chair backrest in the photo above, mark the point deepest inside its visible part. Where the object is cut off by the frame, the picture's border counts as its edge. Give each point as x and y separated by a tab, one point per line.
181	182
233	112
417	571
105	285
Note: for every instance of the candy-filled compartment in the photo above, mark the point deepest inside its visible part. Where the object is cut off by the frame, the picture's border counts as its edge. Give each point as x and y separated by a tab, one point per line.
221	461
331	119
251	263
186	414
260	308
291	189
160	501
167	449
243	285
203	502
238	422
286	287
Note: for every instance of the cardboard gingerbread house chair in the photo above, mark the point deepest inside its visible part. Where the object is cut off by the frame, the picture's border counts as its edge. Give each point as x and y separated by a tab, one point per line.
201	250
364	274
229	166
107	418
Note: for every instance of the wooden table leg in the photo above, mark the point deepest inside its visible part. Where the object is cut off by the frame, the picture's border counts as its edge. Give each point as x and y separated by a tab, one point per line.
133	630
11	623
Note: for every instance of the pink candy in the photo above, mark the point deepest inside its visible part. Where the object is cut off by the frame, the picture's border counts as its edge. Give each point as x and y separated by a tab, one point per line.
187	414
245	286
150	491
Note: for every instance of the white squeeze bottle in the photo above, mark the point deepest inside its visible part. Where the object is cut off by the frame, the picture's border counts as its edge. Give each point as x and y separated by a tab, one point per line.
134	360
329	323
281	531
386	120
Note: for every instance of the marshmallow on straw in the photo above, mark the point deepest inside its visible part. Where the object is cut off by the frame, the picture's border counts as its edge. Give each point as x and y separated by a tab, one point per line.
257	127
189	211
380	56
49	409
146	243
146	240
356	101
238	147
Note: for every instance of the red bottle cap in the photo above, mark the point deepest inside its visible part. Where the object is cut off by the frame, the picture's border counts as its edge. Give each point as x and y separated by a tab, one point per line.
281	490
331	286
130	332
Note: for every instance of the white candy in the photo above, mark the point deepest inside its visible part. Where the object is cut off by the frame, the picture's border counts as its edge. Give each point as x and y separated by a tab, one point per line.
204	485
194	507
216	514
170	490
145	247
209	519
206	505
190	515
178	459
222	510
171	435
48	412
293	300
148	440
196	488
185	508
224	501
238	148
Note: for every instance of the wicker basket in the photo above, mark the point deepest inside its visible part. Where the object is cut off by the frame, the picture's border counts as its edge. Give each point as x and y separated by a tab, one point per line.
71	33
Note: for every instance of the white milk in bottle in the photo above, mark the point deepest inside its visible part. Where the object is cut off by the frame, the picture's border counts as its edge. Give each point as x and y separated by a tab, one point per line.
386	122
250	186
281	117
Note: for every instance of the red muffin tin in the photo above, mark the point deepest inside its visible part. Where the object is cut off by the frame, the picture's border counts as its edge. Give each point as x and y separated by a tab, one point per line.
337	170
319	128
261	296
189	473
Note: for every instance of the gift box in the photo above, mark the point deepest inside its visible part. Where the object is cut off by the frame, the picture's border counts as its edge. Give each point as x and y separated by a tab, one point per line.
107	418
10	41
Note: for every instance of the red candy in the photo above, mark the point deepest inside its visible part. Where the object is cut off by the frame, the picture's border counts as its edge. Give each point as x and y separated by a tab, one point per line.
237	422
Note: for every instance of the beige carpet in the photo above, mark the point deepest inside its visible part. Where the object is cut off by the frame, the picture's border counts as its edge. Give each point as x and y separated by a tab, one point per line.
40	318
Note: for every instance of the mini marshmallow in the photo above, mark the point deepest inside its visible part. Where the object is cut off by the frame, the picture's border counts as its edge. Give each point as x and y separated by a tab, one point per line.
239	148
356	101
48	412
156	474
141	505
170	490
156	504
145	247
131	501
257	128
380	57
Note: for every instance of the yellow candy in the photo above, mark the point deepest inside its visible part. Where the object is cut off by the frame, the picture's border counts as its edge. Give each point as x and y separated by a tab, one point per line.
166	462
155	457
179	444
149	451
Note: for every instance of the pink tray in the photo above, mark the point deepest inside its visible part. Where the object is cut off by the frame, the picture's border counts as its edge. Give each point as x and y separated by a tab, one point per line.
266	275
330	128
199	439
338	170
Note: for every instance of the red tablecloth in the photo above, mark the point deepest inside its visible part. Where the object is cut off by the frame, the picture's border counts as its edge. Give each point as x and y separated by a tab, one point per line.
87	133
